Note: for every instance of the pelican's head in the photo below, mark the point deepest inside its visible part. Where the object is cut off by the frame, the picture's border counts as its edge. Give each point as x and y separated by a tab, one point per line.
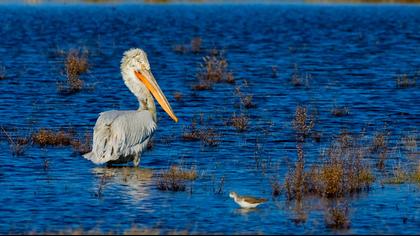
233	195
136	67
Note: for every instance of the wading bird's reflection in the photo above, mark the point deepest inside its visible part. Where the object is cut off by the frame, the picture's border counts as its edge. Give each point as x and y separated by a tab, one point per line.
245	211
138	181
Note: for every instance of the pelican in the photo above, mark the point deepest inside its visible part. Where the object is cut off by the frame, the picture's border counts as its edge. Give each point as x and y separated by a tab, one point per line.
121	136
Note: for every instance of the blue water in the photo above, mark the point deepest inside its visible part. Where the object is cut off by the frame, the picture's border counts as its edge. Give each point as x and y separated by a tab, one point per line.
352	52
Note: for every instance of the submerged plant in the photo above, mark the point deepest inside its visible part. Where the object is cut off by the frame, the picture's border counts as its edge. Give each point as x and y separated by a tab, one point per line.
174	179
213	70
337	218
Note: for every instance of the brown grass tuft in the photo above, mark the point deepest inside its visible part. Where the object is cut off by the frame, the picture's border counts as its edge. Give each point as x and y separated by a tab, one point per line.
247	101
209	137
202	86
206	135
46	137
416	174
399	176
342	172
192	133
76	63
337	218
240	122
303	122
213	70
380	142
294	182
174	179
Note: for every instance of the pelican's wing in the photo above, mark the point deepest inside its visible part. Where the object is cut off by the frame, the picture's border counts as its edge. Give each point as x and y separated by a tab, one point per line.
119	135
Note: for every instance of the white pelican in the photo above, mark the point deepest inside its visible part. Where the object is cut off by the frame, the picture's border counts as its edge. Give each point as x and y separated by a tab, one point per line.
121	136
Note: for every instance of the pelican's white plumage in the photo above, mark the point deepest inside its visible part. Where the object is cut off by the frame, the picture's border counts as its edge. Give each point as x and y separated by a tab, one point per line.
121	136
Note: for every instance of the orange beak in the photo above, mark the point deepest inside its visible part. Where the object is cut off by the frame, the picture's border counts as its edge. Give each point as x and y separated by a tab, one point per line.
147	78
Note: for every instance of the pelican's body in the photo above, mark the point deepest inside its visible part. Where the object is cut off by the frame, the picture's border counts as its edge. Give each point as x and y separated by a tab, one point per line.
121	136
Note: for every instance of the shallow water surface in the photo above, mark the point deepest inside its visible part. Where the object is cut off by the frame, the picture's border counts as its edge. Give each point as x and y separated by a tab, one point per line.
352	53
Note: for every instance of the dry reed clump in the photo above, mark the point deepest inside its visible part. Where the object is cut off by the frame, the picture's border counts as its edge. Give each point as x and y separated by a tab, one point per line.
46	137
416	174
342	172
207	136
403	175
340	111
337	218
17	145
303	123
245	100
192	133
380	146
174	179
213	70
240	122
294	181
404	81
76	63
380	142
203	85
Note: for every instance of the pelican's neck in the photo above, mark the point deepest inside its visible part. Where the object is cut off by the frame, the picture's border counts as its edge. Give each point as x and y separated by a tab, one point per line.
144	97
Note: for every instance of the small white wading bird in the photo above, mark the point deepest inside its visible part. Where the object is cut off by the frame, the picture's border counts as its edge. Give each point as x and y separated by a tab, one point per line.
121	136
246	201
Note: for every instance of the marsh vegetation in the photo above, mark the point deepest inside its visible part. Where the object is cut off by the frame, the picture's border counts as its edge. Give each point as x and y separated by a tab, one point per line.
265	109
